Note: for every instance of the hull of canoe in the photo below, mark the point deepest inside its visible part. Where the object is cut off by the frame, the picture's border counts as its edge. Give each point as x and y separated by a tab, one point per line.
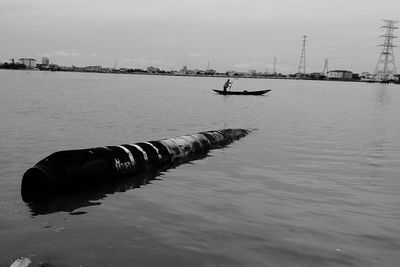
260	92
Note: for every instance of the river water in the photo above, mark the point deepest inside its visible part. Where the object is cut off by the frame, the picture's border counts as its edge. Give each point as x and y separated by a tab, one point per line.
317	184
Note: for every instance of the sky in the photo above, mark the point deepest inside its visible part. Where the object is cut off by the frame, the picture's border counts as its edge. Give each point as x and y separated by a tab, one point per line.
225	35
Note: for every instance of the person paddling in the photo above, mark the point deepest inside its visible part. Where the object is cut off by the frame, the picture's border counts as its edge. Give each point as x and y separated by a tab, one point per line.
227	84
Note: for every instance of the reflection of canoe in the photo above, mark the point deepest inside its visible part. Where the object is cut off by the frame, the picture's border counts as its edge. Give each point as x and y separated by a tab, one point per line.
260	92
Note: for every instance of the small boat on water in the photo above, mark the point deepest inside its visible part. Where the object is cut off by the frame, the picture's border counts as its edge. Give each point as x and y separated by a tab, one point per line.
260	92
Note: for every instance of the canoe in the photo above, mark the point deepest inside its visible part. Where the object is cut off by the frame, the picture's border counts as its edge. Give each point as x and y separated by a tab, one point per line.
260	92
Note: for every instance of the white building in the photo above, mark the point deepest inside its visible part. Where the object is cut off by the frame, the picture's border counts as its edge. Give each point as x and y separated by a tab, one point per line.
30	63
340	74
45	61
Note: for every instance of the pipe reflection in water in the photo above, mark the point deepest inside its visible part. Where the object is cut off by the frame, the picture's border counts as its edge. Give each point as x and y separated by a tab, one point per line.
106	170
72	201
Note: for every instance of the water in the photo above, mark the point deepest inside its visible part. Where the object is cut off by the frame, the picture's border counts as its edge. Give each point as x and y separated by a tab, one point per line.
316	185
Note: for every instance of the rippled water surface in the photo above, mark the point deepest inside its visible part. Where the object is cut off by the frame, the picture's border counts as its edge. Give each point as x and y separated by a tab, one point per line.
317	184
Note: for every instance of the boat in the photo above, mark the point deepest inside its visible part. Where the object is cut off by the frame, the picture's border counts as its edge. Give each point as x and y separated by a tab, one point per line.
245	92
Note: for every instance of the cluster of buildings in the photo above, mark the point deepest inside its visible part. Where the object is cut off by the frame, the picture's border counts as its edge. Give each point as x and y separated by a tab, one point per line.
29	63
45	65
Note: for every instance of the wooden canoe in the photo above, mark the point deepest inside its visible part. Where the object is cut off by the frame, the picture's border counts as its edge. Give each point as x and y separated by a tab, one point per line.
260	92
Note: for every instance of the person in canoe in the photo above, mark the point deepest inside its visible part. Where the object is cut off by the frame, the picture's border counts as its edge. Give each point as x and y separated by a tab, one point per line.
227	84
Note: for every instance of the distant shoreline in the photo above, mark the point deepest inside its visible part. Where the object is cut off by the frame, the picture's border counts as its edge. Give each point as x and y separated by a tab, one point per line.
217	75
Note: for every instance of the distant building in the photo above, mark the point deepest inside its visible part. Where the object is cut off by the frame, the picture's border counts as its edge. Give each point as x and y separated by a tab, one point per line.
152	69
210	72
252	72
365	74
92	68
45	61
316	75
30	63
107	70
340	74
199	72
42	67
231	73
184	70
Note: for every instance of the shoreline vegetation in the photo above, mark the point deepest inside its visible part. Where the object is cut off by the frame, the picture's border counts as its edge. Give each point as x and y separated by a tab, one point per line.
211	73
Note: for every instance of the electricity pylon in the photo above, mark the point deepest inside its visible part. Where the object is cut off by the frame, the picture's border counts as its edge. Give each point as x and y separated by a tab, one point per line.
325	71
386	67
274	70
302	64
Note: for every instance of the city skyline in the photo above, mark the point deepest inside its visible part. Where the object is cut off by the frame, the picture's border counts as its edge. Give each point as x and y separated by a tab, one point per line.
227	35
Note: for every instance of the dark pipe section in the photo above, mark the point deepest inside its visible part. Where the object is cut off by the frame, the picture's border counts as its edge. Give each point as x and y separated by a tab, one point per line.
74	202
74	170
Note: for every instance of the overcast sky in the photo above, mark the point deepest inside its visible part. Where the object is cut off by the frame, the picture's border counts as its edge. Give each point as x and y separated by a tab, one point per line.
230	34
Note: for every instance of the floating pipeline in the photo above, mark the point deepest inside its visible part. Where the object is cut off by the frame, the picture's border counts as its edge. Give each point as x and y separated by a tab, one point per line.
73	170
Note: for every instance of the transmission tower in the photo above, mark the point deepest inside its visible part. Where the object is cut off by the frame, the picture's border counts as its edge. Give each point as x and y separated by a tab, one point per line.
386	66
325	71
302	65
274	71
